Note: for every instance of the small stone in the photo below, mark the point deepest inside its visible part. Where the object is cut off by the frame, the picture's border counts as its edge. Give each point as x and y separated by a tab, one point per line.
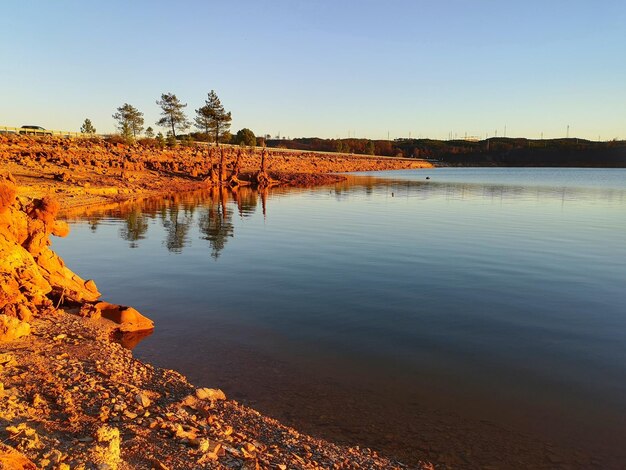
142	399
158	465
6	357
38	401
210	394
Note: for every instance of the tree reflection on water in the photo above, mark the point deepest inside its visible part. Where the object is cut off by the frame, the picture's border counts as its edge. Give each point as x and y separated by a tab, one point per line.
215	222
135	228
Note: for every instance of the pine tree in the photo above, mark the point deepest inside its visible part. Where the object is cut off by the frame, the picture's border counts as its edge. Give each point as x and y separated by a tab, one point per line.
130	120
172	112
212	118
149	132
87	127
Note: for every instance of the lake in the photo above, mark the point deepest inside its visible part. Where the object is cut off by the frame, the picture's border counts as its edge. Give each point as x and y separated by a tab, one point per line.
476	318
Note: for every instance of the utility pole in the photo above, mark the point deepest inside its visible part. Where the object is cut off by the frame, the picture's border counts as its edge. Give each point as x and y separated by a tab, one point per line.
387	135
505	130
568	131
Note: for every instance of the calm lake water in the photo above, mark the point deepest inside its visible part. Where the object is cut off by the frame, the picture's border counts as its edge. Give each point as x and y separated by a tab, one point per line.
476	319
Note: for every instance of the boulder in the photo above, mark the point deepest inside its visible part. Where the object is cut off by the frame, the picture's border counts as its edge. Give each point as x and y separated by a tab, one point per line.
12	328
211	394
30	273
128	318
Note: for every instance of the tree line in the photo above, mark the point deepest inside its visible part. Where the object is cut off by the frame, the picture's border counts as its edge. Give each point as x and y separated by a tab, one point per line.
211	119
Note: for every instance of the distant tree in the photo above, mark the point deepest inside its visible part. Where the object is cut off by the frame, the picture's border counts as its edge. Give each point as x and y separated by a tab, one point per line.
126	131
370	148
186	140
160	140
129	119
212	118
172	112
150	133
246	137
203	122
260	141
226	137
171	139
87	127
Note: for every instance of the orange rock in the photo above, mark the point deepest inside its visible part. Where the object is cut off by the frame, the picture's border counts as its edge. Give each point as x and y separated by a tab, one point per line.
11	328
8	192
10	459
60	229
128	318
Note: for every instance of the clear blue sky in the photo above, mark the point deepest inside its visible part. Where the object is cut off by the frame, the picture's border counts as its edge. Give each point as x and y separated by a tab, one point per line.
323	68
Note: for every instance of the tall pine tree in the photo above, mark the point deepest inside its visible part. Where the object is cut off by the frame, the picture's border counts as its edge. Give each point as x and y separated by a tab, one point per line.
129	120
212	118
172	112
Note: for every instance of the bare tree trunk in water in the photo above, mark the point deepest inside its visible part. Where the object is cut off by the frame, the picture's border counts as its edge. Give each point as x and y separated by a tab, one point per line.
262	179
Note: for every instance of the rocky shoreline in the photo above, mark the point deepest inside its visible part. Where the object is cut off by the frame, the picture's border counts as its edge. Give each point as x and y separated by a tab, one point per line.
73	397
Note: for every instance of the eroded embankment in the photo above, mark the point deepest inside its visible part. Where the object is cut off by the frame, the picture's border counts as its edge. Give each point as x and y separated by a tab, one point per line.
85	171
72	398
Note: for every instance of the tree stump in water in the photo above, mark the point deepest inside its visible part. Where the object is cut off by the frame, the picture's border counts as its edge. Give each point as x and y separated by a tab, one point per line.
262	179
234	177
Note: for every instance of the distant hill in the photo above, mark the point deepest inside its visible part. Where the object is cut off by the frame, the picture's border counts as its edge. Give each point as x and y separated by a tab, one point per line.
498	151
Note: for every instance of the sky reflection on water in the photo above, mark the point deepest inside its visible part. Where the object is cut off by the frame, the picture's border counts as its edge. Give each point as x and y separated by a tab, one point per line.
490	293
